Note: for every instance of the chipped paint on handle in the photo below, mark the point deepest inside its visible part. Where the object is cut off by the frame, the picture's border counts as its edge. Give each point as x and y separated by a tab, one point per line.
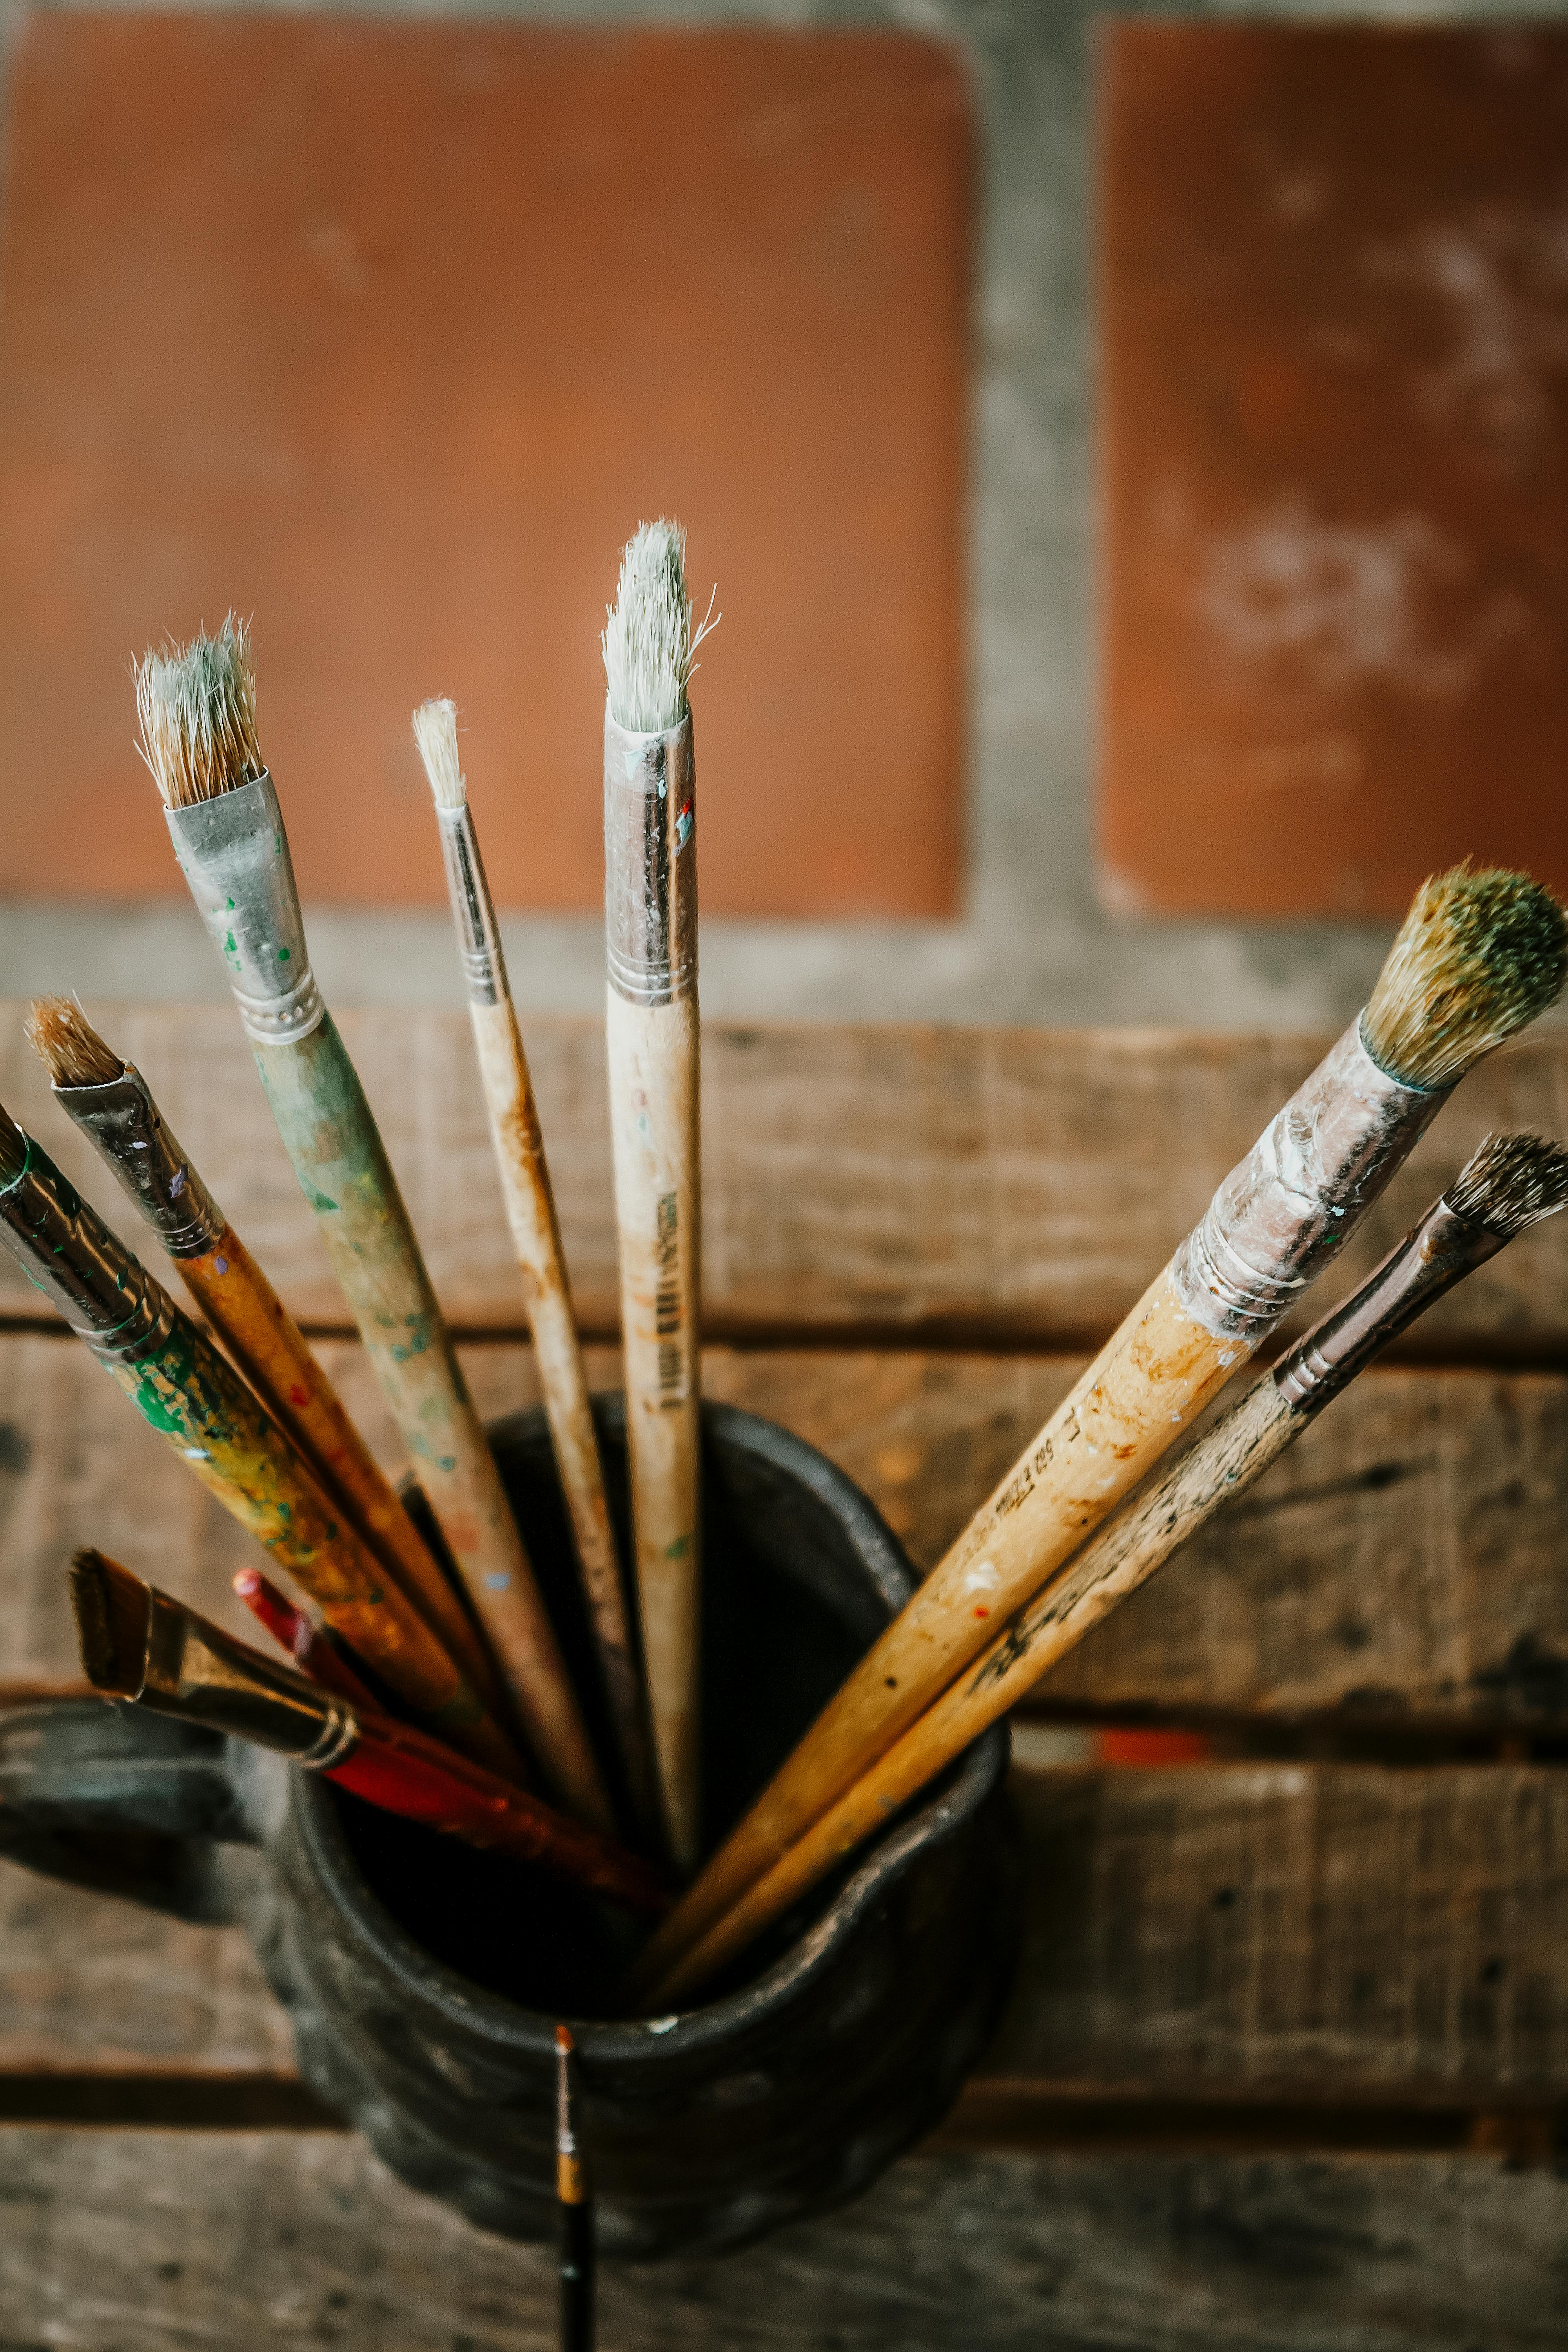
121	1120
197	1402
341	1165
269	1348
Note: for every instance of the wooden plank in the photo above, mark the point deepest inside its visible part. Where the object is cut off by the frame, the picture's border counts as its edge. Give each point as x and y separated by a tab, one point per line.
1245	1935
1343	1931
149	2242
1016	1186
1401	1562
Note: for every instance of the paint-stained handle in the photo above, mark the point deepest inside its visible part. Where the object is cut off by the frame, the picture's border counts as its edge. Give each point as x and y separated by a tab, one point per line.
340	1159
261	1335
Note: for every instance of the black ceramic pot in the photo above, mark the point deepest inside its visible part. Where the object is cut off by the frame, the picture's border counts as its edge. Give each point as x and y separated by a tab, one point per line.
424	1980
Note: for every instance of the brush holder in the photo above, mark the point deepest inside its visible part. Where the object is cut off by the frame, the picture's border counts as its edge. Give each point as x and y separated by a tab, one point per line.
424	1980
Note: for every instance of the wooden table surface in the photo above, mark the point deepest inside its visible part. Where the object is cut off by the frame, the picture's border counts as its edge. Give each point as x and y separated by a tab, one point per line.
1287	2061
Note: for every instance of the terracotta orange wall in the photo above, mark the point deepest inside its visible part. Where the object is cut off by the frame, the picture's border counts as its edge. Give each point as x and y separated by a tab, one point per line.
388	335
1333	274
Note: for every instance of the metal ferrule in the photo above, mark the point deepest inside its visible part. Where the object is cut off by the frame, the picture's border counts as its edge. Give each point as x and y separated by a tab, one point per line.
650	863
1444	1248
124	1121
66	1251
1283	1212
479	936
234	853
195	1670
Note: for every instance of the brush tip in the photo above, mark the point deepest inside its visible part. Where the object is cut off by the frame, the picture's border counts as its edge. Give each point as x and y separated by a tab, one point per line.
68	1044
1478	955
197	704
649	644
1511	1181
436	733
113	1610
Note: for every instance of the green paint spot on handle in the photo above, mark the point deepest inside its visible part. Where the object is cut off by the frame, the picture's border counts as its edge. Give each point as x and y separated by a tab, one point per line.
150	1406
282	955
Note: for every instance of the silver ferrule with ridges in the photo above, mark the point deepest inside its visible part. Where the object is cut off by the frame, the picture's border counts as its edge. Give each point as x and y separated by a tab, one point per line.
1444	1248
650	863
479	935
1303	1188
123	1122
63	1246
234	853
195	1669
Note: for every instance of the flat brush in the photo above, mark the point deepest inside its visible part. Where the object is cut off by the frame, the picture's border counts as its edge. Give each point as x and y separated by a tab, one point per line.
315	1654
112	1105
1511	1183
197	706
651	1026
198	1403
536	1236
138	1646
1478	956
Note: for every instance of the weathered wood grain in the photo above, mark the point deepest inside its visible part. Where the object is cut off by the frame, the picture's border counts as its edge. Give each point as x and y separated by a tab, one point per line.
1009	1185
1405	1560
1341	1929
1211	1934
148	2241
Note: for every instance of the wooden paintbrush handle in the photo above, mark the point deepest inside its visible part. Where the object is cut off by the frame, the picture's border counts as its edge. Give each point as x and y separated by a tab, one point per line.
654	1127
272	1351
536	1237
1116	1560
196	1400
1155	1377
343	1171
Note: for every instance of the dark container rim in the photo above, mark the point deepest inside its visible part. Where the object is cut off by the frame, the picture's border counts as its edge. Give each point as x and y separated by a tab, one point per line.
957	1797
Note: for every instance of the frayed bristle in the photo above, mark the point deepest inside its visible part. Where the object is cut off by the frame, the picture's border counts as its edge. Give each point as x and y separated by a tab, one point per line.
436	732
14	1149
1478	957
649	644
113	1610
68	1044
197	708
1511	1182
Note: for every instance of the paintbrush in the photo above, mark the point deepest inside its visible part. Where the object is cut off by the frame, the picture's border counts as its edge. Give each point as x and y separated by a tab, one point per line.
651	1026
196	1400
536	1237
1511	1183
112	1105
1478	957
315	1654
197	708
574	2207
140	1646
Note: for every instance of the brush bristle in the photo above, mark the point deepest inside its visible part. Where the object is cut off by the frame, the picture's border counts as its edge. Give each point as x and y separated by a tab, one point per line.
649	644
197	708
1478	955
1509	1182
113	1610
436	732
68	1044
13	1150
